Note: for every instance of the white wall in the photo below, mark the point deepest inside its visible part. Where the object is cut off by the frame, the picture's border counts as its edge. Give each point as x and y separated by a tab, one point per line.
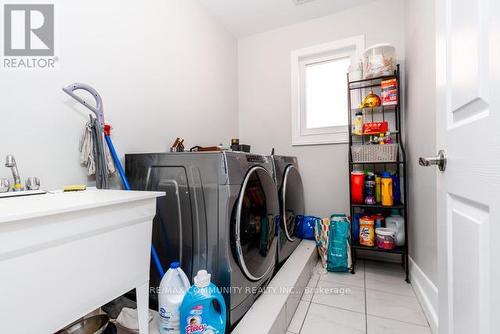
421	125
163	68
264	93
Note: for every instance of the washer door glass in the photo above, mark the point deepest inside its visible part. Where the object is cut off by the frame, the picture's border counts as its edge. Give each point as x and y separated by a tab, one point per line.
292	200
254	224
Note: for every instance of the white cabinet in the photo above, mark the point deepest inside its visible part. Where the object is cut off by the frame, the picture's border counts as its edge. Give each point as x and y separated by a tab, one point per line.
63	255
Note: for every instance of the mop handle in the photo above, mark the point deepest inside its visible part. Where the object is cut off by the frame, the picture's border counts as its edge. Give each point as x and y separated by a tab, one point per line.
126	185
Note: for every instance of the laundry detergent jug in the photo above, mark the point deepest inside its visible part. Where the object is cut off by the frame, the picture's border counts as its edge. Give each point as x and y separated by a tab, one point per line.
203	309
396	223
173	288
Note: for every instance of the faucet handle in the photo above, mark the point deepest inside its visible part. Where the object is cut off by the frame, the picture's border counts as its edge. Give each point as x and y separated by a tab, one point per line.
4	185
32	183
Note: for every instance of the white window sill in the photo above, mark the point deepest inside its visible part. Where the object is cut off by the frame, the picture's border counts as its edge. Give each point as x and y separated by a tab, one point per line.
324	139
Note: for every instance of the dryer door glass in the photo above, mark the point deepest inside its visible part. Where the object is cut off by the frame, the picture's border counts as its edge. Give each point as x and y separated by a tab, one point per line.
292	201
254	224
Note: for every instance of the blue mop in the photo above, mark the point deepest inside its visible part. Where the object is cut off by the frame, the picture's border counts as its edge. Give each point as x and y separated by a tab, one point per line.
101	128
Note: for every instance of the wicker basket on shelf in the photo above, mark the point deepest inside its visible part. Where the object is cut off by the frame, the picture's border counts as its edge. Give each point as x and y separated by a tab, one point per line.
374	153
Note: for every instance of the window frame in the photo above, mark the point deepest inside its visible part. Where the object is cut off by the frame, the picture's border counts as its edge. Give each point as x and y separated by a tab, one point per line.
349	47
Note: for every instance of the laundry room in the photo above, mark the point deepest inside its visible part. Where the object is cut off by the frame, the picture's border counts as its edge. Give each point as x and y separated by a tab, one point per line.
248	167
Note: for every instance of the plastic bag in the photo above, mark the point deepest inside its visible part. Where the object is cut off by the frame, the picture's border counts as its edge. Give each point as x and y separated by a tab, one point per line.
321	236
305	227
339	239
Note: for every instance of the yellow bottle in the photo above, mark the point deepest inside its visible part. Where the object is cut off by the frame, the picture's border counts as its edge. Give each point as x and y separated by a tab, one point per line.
386	189
358	124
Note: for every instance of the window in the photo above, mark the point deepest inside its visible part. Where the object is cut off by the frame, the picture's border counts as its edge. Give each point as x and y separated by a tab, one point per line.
325	92
319	91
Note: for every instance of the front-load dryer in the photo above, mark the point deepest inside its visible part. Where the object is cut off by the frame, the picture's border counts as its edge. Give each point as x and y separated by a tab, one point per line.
219	213
291	197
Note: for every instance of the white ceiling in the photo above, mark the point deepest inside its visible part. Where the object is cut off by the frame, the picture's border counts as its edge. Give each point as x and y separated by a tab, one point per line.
248	17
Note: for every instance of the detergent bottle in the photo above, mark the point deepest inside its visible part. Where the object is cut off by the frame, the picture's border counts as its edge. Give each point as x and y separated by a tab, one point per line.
386	189
203	310
378	189
396	189
173	288
396	223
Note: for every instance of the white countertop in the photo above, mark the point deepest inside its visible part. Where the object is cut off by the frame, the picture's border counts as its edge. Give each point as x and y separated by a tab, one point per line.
25	207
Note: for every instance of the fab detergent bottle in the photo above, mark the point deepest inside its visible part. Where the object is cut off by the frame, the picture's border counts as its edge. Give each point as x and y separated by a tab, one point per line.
203	310
173	288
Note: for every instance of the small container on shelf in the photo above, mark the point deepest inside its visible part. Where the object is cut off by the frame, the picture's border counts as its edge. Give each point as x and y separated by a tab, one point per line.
370	189
379	220
379	60
385	238
375	128
367	231
357	186
357	128
370	101
378	189
356	70
389	94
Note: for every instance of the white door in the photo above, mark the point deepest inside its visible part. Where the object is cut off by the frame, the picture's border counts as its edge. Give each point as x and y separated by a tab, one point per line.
468	126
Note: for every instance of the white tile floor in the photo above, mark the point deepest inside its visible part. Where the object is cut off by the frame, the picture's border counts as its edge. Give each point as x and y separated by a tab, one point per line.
374	300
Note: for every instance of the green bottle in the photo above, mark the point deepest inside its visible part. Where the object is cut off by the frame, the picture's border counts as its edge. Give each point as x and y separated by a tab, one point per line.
378	191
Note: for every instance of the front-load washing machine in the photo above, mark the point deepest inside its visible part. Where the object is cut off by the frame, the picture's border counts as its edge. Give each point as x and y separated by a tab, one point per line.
291	197
219	213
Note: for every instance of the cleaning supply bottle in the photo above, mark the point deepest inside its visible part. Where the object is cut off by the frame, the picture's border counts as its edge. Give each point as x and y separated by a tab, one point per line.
357	187
386	189
355	226
396	223
367	231
396	189
378	188
358	123
203	309
173	288
370	189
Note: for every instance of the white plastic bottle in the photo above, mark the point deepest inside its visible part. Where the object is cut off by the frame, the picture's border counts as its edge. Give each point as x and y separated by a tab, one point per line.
396	223
173	287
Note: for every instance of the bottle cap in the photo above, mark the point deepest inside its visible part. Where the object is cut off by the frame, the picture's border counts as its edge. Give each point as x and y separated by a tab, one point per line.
202	279
394	212
175	265
386	174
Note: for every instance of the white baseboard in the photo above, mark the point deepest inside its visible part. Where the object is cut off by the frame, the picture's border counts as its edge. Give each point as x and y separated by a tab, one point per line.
427	294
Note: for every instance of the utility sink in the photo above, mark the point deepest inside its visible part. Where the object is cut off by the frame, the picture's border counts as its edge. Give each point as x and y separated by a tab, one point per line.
22	193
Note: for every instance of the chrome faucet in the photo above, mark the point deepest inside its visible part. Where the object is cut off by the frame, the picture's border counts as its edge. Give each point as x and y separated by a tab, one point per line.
10	162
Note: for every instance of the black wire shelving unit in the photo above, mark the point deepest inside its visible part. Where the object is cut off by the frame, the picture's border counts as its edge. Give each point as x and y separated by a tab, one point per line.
357	89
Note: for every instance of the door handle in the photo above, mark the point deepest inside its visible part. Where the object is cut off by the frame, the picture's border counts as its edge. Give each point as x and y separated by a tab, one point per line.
439	160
